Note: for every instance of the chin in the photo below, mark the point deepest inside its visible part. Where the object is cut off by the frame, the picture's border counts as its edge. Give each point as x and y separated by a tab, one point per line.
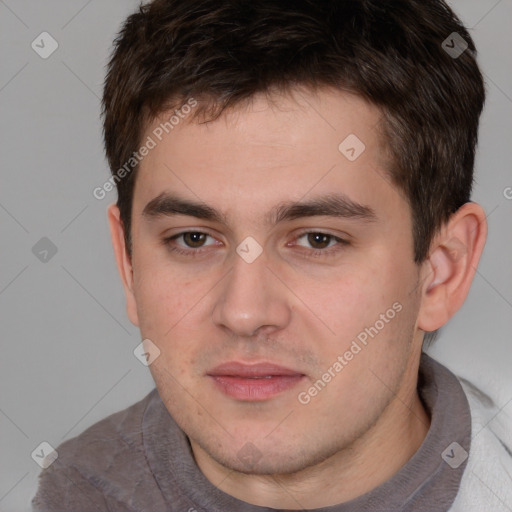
255	459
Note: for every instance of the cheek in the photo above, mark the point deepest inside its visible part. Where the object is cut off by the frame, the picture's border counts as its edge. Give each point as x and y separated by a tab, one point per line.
168	303
346	302
371	303
365	361
169	310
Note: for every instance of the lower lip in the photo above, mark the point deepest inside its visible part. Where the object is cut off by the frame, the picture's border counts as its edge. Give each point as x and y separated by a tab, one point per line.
255	390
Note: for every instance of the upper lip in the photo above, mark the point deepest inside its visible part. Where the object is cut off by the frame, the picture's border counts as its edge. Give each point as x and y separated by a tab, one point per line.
239	369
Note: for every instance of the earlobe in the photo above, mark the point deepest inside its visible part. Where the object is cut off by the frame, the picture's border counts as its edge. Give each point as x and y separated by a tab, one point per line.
451	266
123	261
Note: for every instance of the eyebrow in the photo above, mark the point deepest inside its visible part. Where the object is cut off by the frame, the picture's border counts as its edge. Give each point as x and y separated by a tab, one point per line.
330	205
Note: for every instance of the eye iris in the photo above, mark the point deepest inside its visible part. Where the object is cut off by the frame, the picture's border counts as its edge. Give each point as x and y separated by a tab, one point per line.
194	239
321	239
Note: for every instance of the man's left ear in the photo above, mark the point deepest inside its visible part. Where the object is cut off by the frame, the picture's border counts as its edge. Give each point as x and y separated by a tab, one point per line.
451	265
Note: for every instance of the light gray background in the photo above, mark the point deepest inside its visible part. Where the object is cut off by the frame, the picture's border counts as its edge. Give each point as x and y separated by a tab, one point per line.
66	358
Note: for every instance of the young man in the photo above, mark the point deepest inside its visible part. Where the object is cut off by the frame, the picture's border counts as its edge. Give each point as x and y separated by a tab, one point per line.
293	216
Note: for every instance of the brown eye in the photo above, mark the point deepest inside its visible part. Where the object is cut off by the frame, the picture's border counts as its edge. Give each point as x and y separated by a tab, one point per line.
194	239
189	243
318	244
319	240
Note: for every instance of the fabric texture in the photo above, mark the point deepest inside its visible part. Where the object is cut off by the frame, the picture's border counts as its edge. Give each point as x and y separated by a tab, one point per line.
138	459
487	480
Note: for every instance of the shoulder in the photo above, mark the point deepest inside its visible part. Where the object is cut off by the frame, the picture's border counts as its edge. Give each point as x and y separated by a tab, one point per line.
99	446
487	480
106	460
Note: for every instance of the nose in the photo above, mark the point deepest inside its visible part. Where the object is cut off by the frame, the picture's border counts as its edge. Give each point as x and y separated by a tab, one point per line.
251	298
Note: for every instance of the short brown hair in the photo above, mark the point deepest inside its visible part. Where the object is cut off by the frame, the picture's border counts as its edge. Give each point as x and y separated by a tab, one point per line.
389	53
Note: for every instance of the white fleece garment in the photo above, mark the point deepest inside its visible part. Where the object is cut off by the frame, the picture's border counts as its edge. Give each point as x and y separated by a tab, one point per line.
486	484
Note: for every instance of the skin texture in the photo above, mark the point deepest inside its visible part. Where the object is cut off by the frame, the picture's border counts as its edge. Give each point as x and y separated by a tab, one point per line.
290	306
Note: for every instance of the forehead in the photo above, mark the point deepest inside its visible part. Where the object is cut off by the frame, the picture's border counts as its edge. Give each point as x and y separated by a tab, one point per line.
264	152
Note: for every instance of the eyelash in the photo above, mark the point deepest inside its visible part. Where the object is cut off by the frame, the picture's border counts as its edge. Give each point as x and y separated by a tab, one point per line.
330	251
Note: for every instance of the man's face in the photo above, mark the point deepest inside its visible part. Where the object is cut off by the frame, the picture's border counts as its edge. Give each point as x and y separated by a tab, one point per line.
243	335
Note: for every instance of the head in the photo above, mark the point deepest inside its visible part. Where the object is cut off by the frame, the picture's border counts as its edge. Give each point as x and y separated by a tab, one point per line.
303	195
